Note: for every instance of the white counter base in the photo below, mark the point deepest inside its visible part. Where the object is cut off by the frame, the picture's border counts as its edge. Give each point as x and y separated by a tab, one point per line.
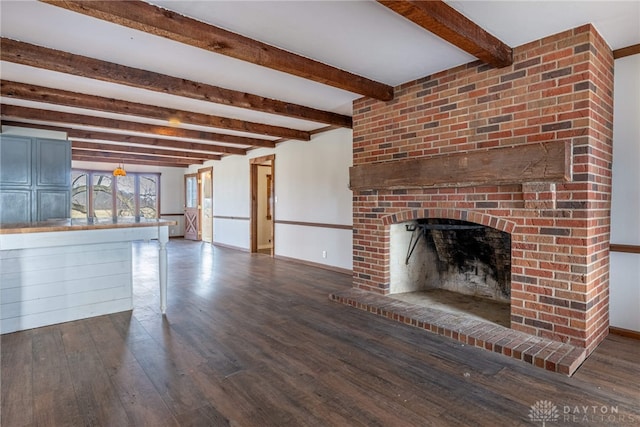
54	277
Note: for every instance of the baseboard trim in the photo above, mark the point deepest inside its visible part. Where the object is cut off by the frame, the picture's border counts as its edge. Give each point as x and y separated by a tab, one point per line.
316	264
224	245
624	332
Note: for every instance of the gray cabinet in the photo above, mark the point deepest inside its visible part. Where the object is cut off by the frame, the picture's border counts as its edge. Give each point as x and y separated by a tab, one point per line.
35	179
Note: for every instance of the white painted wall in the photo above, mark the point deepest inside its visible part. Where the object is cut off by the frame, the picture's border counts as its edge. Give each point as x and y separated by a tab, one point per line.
624	302
313	179
231	199
33	133
311	185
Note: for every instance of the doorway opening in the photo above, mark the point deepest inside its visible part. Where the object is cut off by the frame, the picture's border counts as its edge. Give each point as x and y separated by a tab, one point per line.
198	205
191	211
262	204
205	178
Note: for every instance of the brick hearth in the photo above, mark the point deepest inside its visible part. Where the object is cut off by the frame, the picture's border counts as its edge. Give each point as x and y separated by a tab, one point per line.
558	90
537	351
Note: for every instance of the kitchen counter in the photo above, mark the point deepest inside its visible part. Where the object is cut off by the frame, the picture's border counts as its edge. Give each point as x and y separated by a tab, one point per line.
70	224
62	270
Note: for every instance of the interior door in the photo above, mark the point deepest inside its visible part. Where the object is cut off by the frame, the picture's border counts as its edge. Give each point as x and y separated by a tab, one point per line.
206	196
191	211
262	177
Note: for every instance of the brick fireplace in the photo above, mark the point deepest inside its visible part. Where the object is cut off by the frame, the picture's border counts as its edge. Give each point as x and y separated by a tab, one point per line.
525	150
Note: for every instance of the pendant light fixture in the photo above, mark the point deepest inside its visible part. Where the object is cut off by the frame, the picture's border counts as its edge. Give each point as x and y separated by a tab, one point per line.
119	171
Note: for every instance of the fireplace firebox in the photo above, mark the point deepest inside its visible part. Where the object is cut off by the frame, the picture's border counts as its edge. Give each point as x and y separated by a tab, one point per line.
453	255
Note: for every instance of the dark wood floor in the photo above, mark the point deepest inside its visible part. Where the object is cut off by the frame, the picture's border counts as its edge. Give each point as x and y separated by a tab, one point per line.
253	341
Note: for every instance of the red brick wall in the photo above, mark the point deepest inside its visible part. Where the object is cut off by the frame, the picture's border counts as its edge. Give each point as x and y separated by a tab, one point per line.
559	88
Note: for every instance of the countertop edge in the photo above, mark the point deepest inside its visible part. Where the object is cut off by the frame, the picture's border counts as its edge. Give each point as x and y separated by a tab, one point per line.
45	228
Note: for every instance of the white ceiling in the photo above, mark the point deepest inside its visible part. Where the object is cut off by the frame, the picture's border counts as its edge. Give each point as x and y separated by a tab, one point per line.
362	37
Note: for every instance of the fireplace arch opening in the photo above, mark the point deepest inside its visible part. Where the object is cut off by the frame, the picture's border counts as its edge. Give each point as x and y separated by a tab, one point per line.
453	265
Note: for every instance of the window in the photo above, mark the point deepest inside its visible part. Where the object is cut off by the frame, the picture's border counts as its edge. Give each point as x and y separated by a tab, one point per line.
79	195
101	195
126	195
102	189
148	196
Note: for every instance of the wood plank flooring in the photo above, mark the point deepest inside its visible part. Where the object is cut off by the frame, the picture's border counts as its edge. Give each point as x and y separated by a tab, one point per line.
253	341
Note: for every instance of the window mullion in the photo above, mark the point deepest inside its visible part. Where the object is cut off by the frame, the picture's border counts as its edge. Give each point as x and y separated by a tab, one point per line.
90	210
114	197
136	186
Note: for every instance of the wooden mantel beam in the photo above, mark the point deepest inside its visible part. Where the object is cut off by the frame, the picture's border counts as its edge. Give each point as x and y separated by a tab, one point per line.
74	134
63	62
11	111
447	23
161	22
31	92
541	162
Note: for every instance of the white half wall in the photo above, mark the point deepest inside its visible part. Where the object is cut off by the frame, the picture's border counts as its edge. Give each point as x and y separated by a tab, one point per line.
624	292
624	288
231	232
309	243
47	285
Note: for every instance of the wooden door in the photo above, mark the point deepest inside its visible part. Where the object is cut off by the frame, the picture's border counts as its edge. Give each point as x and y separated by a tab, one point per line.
191	208
262	203
206	202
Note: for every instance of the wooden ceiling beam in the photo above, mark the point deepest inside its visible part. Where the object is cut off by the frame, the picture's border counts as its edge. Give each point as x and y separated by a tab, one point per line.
94	158
123	125
36	93
132	149
634	49
63	62
133	139
161	22
447	23
130	158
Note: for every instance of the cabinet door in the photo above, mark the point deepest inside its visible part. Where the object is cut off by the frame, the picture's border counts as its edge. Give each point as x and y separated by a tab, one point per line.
53	162
15	206
15	161
52	204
